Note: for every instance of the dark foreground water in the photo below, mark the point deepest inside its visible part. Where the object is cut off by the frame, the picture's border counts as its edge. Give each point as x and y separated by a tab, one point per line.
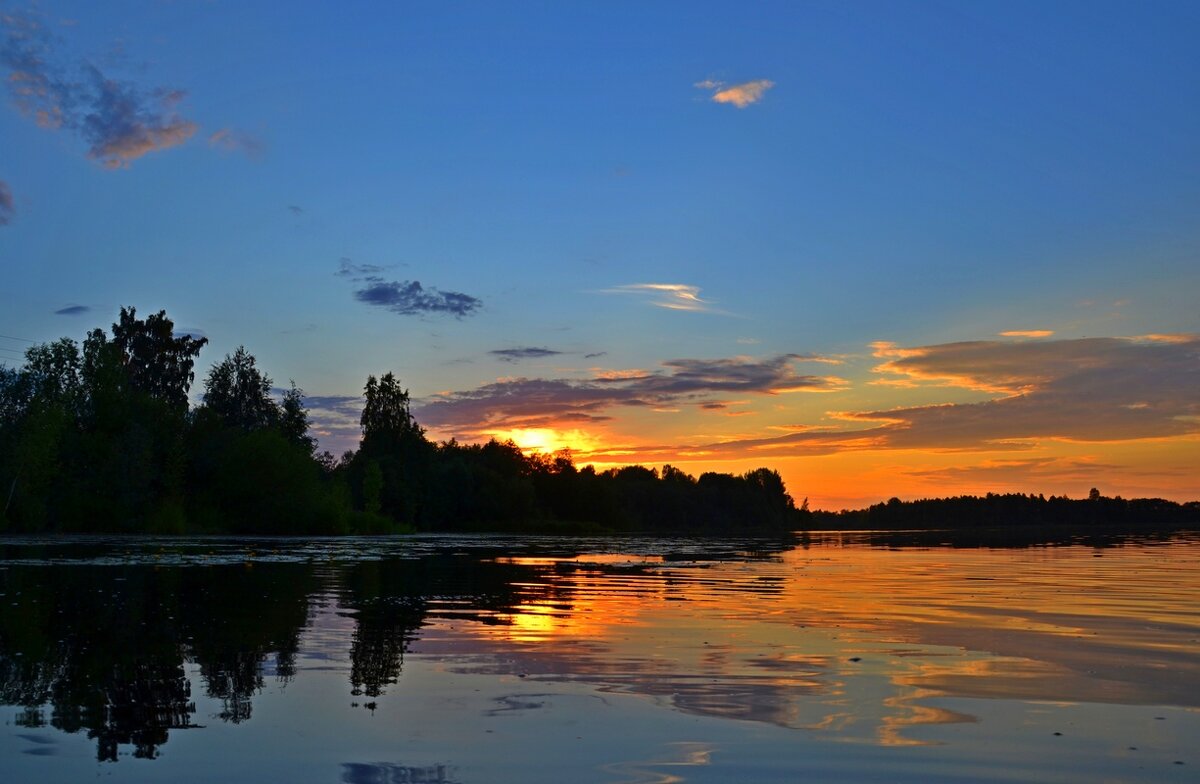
843	657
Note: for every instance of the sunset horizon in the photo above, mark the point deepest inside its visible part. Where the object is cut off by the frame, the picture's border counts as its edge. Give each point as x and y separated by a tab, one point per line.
887	251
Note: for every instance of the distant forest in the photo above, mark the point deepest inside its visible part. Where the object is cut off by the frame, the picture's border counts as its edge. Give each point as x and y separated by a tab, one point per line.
102	438
1012	510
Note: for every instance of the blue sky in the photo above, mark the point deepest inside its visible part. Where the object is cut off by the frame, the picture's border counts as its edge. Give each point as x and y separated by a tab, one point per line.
917	174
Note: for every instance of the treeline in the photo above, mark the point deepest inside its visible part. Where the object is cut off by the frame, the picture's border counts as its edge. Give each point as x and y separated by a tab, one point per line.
101	437
1013	509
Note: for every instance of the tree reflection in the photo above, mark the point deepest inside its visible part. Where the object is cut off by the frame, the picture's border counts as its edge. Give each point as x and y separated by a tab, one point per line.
98	649
238	618
391	600
103	649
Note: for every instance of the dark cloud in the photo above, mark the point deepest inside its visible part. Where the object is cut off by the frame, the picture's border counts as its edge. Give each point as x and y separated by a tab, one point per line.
527	352
7	207
738	374
406	297
119	120
72	310
409	298
521	402
296	209
526	402
595	354
232	140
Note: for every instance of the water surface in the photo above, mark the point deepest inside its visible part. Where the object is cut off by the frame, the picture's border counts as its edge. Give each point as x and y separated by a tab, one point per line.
866	657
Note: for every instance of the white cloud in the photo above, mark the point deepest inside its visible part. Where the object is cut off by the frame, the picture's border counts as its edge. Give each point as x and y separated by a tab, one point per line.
673	296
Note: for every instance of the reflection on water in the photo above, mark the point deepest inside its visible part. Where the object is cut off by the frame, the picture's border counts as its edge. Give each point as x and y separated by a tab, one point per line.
386	773
877	640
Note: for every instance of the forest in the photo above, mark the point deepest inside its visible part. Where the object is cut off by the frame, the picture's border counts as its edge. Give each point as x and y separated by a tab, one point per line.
103	437
1011	510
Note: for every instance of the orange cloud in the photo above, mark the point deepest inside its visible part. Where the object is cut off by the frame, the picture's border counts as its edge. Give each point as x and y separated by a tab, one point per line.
120	120
1087	390
740	95
1027	333
1180	337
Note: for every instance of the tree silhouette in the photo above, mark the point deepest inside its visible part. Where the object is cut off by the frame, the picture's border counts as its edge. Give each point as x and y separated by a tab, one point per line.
157	362
239	393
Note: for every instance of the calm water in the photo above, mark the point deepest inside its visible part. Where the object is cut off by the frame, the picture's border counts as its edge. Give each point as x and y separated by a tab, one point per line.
845	657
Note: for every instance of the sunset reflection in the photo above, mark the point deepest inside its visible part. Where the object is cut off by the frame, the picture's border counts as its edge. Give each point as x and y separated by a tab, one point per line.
843	639
851	640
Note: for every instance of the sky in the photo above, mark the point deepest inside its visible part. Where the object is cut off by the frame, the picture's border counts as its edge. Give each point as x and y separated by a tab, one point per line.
906	249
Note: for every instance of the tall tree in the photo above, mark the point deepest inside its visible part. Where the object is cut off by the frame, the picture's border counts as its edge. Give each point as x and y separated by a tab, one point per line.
238	392
157	362
394	440
293	419
386	419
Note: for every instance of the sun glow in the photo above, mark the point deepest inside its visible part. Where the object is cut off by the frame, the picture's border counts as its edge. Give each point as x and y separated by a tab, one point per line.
546	440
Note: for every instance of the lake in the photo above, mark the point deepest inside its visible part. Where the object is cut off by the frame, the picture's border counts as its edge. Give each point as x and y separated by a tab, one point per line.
861	656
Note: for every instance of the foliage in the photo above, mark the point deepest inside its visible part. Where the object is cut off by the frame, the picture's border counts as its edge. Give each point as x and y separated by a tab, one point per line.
157	362
239	393
102	440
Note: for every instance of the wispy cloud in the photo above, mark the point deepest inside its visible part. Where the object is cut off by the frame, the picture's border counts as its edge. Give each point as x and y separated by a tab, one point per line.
348	268
410	298
1088	389
72	310
231	140
1033	471
1083	390
673	296
526	352
740	95
530	402
119	120
1178	337
1027	333
8	208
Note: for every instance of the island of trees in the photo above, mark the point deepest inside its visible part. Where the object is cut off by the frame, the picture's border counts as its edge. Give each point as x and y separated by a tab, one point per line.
101	437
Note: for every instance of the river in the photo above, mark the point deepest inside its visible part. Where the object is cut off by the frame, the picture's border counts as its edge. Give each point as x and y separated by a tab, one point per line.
920	656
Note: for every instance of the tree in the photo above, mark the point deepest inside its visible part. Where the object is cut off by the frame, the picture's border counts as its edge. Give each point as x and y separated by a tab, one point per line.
157	362
52	371
386	419
238	392
293	419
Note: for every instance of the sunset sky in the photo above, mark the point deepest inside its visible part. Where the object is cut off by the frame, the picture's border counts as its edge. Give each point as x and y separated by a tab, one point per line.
911	249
